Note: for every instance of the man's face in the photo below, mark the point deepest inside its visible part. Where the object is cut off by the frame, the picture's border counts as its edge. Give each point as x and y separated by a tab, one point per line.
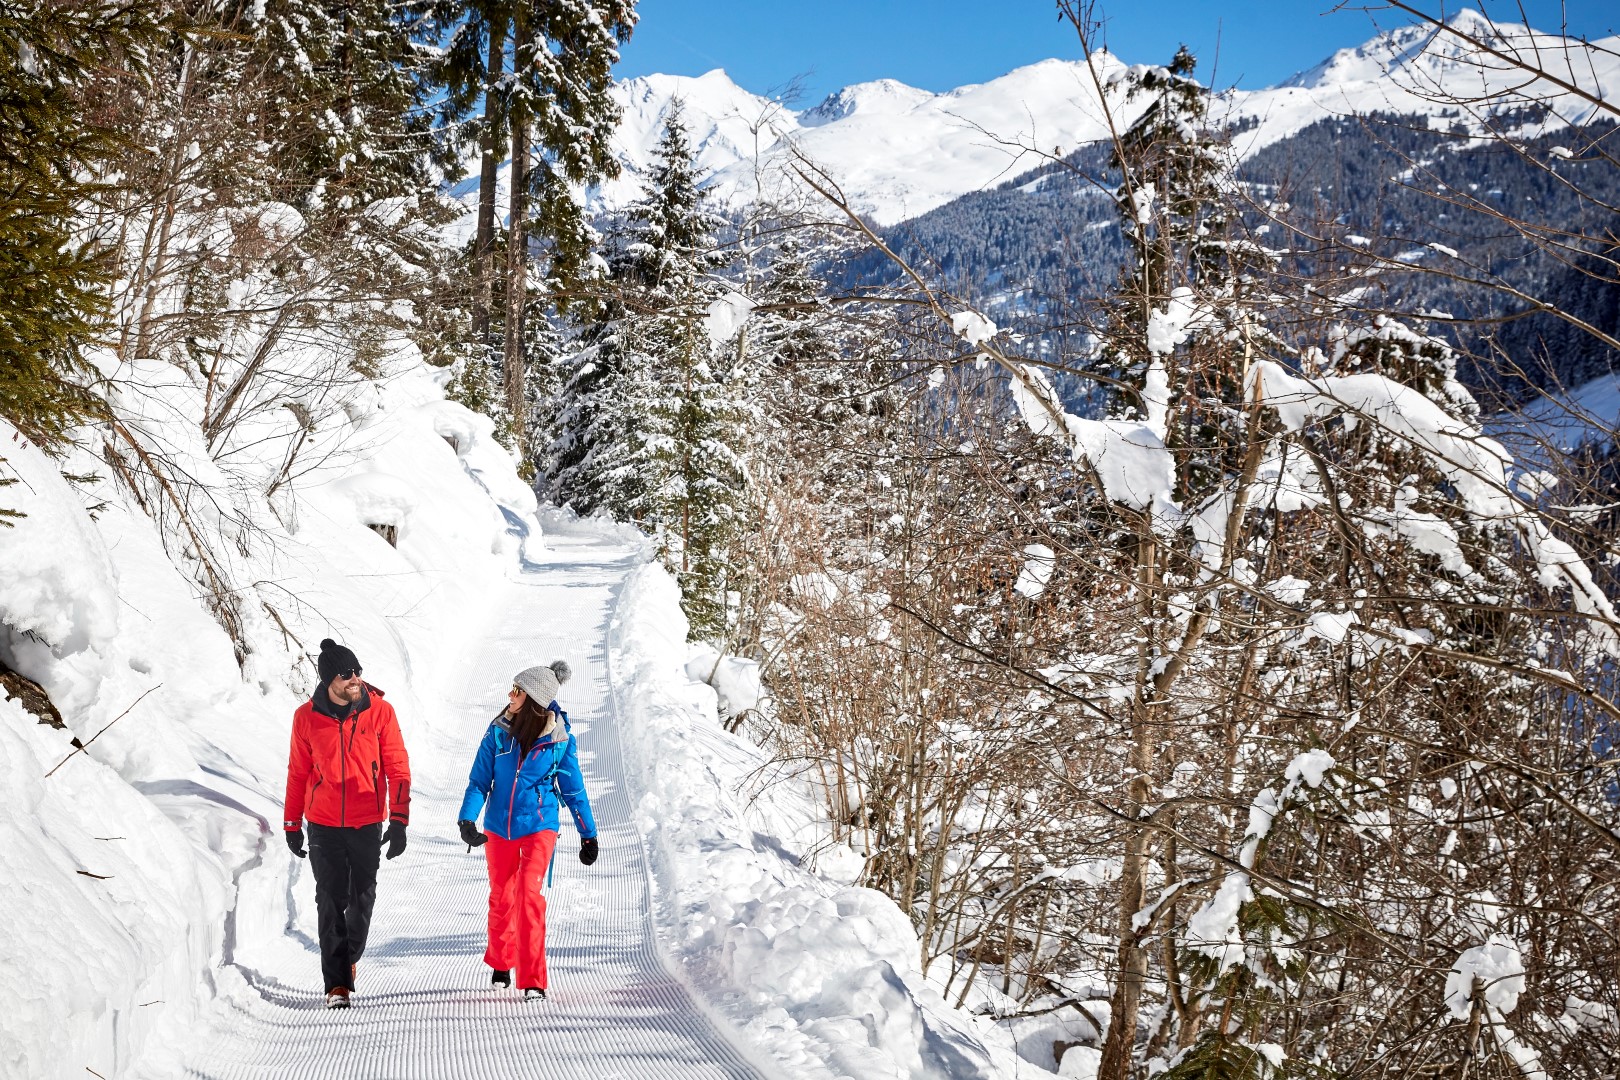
345	687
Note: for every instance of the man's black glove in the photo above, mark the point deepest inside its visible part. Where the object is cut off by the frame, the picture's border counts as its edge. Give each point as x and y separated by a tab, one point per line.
470	834
395	839
295	842
588	850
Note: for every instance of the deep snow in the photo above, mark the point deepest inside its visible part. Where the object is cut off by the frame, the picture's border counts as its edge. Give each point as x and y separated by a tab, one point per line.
156	920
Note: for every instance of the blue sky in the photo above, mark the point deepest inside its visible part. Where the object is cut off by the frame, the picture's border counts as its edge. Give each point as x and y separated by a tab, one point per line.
941	44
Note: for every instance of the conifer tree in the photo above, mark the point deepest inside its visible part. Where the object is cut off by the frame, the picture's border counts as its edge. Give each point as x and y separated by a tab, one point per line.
555	114
652	420
605	384
1173	342
543	352
694	418
833	411
347	120
1174	334
692	435
52	281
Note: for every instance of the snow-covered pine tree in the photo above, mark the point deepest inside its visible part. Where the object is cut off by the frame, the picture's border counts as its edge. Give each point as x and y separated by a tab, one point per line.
829	407
348	123
1178	319
595	424
704	497
53	299
544	349
598	429
1174	342
694	428
553	107
652	417
562	58
792	336
794	358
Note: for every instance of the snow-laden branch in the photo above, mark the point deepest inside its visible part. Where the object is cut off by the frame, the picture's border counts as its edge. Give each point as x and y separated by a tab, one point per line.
1478	467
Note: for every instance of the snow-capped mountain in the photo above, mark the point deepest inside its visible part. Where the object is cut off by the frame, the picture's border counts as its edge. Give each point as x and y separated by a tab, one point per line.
1410	70
898	151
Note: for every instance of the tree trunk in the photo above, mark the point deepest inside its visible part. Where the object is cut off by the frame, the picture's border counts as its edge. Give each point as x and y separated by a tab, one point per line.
484	240
1132	958
517	240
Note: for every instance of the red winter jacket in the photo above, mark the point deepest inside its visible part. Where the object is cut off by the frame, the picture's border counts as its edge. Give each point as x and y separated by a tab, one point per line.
350	771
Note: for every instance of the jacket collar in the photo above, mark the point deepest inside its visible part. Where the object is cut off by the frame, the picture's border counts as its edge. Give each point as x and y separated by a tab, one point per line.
321	703
554	733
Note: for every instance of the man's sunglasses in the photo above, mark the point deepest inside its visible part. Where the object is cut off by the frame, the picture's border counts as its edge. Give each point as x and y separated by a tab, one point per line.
352	673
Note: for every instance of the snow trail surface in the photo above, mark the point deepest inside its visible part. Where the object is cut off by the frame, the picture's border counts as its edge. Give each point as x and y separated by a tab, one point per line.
423	1004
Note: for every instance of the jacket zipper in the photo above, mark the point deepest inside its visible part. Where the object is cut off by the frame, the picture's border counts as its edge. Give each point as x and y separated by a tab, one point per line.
540	799
343	778
375	788
511	799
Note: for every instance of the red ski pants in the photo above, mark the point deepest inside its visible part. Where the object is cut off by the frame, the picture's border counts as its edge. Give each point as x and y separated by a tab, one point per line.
517	907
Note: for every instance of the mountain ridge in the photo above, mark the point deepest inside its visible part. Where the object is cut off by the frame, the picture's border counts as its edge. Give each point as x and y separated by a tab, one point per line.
899	151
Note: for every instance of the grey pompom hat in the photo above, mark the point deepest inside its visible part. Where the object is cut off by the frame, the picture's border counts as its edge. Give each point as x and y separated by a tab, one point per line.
541	681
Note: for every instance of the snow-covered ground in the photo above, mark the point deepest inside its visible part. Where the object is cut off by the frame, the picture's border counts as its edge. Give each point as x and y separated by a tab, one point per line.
121	869
423	1004
1564	420
822	973
155	920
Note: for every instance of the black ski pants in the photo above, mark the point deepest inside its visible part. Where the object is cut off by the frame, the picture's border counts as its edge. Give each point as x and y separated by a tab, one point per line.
344	862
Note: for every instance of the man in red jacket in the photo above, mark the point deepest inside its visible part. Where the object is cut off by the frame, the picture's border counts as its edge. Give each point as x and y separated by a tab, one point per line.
346	772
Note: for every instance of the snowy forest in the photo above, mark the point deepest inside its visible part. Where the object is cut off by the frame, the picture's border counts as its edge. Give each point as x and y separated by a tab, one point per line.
1152	615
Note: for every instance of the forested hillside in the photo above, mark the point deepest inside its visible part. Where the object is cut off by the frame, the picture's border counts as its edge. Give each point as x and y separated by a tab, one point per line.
1048	240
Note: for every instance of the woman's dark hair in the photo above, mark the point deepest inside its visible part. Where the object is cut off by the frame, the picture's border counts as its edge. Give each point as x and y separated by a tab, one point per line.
529	722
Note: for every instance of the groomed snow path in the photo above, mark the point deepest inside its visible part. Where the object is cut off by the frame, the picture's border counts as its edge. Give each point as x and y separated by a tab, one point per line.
423	1004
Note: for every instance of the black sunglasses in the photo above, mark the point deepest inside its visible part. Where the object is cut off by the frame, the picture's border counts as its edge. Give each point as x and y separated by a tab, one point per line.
350	674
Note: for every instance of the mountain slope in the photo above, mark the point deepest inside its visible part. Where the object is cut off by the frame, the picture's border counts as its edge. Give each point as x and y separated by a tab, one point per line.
899	151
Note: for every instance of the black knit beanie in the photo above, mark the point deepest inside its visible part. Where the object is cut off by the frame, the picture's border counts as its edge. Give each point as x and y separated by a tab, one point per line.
335	658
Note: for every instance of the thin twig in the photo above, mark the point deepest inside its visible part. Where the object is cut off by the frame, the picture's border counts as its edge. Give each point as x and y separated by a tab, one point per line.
79	748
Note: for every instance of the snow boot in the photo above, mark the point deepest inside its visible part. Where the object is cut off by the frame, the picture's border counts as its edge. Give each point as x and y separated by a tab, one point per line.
500	977
533	993
337	997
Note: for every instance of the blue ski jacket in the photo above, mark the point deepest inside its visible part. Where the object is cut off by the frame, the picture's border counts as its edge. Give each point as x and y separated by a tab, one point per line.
522	791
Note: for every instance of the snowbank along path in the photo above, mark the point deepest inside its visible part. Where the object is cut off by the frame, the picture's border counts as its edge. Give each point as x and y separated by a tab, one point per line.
423	1004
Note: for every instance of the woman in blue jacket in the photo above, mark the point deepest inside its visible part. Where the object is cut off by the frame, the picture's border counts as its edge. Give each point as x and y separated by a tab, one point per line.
526	764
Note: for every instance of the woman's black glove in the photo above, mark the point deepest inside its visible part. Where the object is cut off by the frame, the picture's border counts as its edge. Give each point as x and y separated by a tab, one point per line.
395	839
588	850
470	834
295	842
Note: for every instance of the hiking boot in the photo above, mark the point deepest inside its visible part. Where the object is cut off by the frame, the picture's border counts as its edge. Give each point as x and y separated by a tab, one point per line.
337	997
533	993
501	977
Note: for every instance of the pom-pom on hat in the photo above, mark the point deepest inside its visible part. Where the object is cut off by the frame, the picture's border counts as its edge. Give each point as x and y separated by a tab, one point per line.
541	682
335	659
